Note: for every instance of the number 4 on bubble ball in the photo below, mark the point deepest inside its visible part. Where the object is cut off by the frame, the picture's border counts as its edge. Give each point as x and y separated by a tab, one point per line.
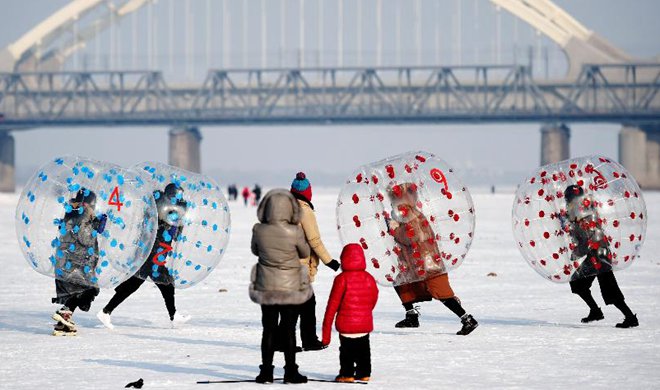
114	199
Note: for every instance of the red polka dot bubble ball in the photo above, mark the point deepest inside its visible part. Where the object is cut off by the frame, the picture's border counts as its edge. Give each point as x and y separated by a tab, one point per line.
579	217
411	214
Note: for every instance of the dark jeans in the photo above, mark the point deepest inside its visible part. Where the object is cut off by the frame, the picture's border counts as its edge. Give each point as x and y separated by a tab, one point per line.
609	288
131	285
278	321
355	357
308	322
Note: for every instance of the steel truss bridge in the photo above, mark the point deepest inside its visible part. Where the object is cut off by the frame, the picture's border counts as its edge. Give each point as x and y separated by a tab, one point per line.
601	93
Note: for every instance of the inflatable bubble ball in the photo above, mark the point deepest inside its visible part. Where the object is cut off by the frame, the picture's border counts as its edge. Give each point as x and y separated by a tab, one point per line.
86	222
579	217
410	213
194	225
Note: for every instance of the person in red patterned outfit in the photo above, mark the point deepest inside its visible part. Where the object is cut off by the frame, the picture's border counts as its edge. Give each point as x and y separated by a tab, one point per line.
352	299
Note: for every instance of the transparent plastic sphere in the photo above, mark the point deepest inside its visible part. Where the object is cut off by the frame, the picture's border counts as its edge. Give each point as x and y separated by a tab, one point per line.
579	217
411	214
86	222
193	228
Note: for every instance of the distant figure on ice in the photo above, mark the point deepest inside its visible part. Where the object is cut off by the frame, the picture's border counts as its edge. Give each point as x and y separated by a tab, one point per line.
492	189
279	283
232	192
257	193
76	259
171	209
584	226
352	299
301	189
416	240
246	195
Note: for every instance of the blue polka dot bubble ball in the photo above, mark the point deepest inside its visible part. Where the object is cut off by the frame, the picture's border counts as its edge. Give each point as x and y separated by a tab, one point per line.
194	225
86	222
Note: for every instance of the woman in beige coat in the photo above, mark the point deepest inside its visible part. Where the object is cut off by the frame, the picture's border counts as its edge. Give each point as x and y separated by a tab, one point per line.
279	282
302	191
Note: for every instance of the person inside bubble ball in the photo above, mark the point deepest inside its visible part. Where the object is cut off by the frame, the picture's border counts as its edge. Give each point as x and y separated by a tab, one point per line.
171	208
590	242
76	258
422	275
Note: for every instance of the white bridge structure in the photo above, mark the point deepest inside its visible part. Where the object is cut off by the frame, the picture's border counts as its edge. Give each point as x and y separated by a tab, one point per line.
189	63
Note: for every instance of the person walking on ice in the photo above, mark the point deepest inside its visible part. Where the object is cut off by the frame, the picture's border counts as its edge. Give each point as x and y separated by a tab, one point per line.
589	241
171	208
416	242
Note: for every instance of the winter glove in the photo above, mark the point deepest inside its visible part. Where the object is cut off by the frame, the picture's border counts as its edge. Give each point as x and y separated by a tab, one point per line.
172	231
334	264
102	221
326	341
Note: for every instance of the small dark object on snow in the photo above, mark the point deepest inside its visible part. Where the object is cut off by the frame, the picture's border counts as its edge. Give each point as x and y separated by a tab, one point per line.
136	385
222	290
493	274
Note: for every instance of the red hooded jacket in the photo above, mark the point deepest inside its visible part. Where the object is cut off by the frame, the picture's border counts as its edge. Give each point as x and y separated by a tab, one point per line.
353	297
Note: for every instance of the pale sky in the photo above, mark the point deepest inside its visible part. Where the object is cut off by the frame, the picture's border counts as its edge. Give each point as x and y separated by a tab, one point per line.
329	153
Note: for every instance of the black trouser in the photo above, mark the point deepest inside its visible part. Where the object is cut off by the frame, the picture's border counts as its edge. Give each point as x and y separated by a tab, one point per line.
74	296
278	321
131	285
308	322
609	288
355	357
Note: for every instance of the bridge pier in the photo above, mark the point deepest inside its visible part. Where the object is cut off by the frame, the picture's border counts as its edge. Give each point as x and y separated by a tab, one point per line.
555	145
185	148
7	158
653	157
633	152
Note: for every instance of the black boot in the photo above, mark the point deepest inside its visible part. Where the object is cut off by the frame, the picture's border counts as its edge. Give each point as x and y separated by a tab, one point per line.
469	324
594	315
296	349
629	322
411	320
266	374
315	345
291	375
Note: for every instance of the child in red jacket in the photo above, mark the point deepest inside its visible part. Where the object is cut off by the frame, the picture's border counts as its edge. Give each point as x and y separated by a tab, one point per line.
353	298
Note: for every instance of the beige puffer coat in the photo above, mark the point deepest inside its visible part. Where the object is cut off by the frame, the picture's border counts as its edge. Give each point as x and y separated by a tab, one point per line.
279	242
311	229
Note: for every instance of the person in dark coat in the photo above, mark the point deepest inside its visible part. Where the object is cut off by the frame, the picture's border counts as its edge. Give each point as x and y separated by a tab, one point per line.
76	256
257	193
352	299
171	210
590	242
279	282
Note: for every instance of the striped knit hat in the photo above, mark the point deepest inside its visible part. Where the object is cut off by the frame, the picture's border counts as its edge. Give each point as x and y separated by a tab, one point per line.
302	186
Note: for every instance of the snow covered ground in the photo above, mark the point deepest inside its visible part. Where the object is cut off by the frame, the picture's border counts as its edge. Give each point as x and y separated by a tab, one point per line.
530	334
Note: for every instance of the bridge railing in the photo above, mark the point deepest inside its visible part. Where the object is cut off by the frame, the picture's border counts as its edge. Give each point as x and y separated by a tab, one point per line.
625	92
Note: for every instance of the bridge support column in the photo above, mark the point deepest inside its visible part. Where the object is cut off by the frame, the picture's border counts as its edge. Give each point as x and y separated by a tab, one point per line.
185	148
632	152
653	158
7	158
555	145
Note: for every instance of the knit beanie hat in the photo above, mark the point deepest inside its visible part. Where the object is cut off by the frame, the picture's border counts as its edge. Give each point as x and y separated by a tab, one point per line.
302	186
